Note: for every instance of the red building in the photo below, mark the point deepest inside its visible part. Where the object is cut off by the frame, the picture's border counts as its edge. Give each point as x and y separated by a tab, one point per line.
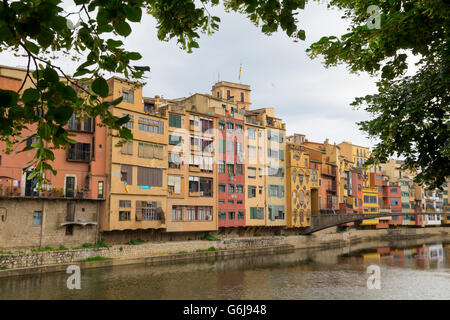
231	173
81	169
392	200
356	185
376	181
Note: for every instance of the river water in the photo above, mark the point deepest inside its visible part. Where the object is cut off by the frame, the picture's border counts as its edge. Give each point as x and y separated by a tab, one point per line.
408	270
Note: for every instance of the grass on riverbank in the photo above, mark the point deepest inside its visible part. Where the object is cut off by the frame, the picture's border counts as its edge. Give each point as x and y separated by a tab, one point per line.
97	258
206	250
210	237
136	242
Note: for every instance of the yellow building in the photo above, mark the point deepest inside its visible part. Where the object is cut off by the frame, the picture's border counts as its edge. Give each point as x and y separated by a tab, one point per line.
370	204
137	171
300	179
358	155
255	147
192	168
275	165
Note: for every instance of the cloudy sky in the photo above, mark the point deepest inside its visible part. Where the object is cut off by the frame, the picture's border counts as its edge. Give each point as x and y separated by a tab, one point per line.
311	99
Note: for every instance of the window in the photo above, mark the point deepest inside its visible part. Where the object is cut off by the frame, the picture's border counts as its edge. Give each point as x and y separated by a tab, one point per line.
87	125
221	166
239	169
127	148
276	191
194	184
222	215
206	124
242	97
100	188
239	202
239	128
241	215
231	215
124	215
251	133
174	140
230	146
276	212
175	120
174	160
149	176
221	145
251	191
256	213
69	230
177	213
228	94
260	190
146	210
37	218
230	188
230	168
251	151
124	203
128	96
239	188
221	201
126	174
221	187
79	152
150	151
129	124
239	148
221	125
273	153
230	126
230	201
174	184
251	172
150	125
74	123
276	172
206	187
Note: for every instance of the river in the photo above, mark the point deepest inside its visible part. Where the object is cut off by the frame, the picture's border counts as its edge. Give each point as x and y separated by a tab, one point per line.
408	270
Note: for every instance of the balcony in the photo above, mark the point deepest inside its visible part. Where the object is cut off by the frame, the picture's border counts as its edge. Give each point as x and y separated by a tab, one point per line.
331	173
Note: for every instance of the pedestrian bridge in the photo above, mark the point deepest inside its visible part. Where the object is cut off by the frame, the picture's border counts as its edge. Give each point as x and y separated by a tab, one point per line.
323	221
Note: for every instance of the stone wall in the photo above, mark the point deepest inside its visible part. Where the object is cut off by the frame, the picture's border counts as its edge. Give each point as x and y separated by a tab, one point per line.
18	228
152	249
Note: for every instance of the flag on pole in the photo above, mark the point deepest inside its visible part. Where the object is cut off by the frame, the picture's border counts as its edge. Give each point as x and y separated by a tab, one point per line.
240	71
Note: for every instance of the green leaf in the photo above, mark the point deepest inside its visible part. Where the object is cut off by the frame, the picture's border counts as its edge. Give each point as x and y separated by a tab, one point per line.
134	56
100	87
30	95
123	28
32	47
50	75
133	14
113	43
8	98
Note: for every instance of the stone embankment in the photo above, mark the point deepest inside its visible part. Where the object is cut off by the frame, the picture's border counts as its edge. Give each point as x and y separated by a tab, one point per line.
184	251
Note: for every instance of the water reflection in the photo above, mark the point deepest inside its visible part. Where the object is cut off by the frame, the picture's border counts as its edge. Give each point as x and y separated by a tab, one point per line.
409	270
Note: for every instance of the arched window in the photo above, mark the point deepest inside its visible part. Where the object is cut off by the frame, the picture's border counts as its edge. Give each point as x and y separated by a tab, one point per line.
294	173
307	176
307	197
302	195
300	176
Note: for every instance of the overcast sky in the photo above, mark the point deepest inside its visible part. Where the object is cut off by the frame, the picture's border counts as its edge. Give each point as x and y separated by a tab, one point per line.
311	99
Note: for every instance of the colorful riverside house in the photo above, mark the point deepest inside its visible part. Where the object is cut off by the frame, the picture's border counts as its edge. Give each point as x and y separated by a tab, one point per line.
356	186
358	155
275	181
346	198
137	171
370	205
232	100
192	169
318	189
301	181
391	200
329	175
67	209
376	181
255	146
